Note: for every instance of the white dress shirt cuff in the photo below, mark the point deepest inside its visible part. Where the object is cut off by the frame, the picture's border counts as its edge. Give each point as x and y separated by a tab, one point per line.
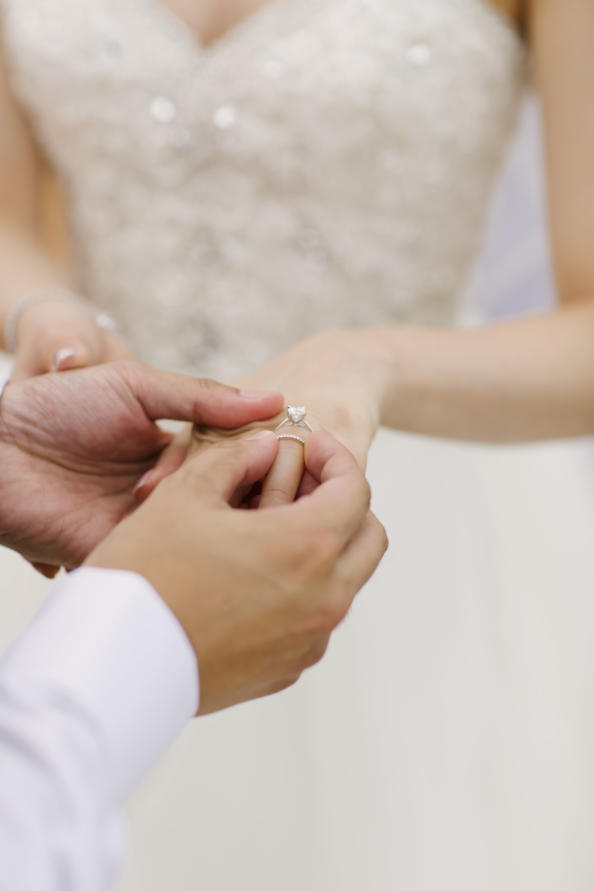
106	639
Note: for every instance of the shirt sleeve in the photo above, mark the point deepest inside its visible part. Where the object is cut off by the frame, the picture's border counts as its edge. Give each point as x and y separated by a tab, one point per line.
91	695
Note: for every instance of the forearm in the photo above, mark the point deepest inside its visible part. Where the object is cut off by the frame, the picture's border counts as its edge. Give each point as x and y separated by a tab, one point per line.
527	379
25	268
78	733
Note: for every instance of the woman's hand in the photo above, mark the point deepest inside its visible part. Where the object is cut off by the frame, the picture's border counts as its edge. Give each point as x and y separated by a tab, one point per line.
61	334
332	376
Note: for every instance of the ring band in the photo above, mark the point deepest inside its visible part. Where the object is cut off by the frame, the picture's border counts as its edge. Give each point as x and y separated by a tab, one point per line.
295	419
292	436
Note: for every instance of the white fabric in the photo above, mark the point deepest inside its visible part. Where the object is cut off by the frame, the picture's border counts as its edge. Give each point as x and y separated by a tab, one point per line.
328	164
300	174
4	381
91	695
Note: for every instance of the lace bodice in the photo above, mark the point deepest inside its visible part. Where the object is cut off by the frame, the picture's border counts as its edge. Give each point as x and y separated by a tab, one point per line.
327	163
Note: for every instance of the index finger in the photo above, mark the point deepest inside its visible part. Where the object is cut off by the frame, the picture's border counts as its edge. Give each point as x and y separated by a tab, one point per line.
341	501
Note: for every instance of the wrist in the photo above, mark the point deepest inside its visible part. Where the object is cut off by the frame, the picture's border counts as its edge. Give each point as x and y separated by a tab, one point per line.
381	363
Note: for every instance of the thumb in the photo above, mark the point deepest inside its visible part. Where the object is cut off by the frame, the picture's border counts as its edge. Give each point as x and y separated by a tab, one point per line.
70	342
229	468
76	354
59	352
180	397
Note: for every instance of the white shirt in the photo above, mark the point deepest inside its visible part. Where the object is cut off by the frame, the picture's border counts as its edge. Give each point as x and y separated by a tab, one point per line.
91	695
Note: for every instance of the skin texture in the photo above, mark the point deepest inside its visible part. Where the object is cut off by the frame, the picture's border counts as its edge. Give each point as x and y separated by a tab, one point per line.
74	446
258	592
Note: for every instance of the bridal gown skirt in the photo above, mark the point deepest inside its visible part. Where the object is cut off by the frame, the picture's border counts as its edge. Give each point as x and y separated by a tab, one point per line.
447	740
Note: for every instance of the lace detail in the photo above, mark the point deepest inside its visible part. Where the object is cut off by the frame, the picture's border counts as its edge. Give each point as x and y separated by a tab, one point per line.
326	163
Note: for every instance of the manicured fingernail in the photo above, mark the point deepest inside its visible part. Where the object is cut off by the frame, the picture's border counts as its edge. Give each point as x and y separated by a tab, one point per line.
140	486
254	394
262	434
62	357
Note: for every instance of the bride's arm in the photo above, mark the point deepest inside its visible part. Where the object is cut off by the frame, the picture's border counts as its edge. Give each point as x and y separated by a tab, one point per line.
26	268
535	377
522	380
526	379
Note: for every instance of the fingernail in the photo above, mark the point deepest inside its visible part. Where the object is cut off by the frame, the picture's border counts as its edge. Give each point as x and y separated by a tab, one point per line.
254	394
138	492
62	357
262	434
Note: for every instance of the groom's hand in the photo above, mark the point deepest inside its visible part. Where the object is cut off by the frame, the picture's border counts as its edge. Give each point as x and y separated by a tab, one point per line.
73	446
257	592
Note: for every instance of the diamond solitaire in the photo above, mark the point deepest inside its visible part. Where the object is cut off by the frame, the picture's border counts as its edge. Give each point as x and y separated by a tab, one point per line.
296	413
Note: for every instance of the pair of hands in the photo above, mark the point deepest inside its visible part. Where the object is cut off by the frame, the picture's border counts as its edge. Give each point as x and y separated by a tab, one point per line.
332	373
257	593
332	376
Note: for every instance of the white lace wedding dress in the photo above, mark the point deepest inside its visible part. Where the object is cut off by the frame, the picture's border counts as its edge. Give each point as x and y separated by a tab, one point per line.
328	163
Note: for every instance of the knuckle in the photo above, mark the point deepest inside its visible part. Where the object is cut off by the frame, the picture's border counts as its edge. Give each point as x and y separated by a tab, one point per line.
331	613
284	684
293	553
210	386
127	366
315	653
381	536
278	494
322	547
130	372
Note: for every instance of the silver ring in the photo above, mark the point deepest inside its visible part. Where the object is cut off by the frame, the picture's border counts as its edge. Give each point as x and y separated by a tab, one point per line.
294	436
296	418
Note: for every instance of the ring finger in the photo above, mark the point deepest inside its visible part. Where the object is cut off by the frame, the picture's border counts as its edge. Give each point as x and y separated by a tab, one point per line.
284	478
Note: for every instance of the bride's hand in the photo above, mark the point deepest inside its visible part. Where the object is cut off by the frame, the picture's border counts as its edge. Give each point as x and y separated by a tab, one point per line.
62	334
330	375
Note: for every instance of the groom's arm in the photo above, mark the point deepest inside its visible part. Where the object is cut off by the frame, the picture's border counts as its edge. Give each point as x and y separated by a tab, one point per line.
90	697
106	676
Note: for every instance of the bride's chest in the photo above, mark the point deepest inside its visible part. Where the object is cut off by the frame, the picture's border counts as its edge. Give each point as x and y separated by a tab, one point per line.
210	20
343	75
344	40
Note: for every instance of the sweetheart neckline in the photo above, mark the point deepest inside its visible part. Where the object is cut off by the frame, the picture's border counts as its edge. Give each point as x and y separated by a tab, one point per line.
253	19
248	22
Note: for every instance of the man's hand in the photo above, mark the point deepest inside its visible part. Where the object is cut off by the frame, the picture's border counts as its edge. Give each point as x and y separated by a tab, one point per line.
74	445
257	592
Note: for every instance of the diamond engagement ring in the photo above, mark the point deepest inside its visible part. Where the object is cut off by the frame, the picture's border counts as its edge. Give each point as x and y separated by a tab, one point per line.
295	421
